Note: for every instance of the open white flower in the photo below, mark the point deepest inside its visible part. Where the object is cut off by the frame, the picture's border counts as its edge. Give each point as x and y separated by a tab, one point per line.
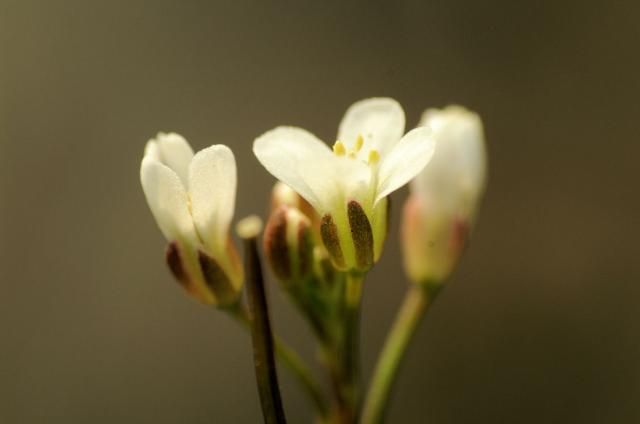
192	198
348	185
444	196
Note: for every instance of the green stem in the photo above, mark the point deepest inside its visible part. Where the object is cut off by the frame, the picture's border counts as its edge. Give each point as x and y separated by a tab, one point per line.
352	351
347	368
308	313
299	369
292	361
263	346
409	316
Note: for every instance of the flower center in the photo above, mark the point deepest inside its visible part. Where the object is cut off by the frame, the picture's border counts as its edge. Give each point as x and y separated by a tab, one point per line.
339	149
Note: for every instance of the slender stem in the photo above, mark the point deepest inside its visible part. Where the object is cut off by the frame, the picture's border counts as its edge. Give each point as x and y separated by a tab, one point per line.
352	338
263	346
292	361
307	312
409	316
346	371
297	366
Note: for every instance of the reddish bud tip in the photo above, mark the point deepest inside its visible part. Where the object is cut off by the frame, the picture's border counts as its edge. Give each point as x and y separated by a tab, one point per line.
288	244
275	244
172	256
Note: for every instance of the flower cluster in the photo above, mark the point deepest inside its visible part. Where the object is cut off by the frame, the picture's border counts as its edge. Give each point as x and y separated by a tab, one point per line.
327	227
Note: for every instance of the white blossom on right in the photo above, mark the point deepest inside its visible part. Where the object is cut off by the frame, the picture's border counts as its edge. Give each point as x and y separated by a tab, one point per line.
441	208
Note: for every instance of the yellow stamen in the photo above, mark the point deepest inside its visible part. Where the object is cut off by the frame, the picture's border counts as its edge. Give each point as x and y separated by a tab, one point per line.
374	157
352	154
359	143
338	148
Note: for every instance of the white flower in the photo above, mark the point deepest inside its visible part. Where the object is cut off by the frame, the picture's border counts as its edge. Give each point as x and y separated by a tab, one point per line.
445	195
192	198
349	185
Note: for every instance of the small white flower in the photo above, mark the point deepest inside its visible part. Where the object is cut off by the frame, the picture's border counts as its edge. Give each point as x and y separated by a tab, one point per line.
445	195
349	185
192	198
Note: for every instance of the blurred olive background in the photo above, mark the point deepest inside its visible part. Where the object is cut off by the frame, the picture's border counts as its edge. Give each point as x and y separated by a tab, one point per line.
540	323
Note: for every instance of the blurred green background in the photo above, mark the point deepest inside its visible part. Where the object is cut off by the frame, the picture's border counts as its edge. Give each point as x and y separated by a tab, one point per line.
540	323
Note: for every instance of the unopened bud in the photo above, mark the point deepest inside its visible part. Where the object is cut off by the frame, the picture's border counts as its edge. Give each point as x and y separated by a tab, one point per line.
323	269
282	194
288	244
249	227
445	195
432	241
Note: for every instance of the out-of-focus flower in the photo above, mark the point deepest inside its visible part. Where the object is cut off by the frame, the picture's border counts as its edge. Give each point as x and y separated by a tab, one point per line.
444	197
192	198
283	195
349	185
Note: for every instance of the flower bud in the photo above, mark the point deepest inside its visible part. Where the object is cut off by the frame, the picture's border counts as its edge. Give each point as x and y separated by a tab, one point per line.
440	211
282	194
288	244
323	268
432	242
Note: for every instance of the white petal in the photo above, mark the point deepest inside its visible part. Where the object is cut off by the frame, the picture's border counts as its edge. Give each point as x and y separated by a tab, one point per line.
380	121
167	200
405	161
299	159
172	150
455	177
152	150
212	188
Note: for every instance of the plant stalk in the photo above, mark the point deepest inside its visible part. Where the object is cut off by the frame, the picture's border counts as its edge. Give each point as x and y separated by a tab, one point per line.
292	361
345	369
262	337
409	317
